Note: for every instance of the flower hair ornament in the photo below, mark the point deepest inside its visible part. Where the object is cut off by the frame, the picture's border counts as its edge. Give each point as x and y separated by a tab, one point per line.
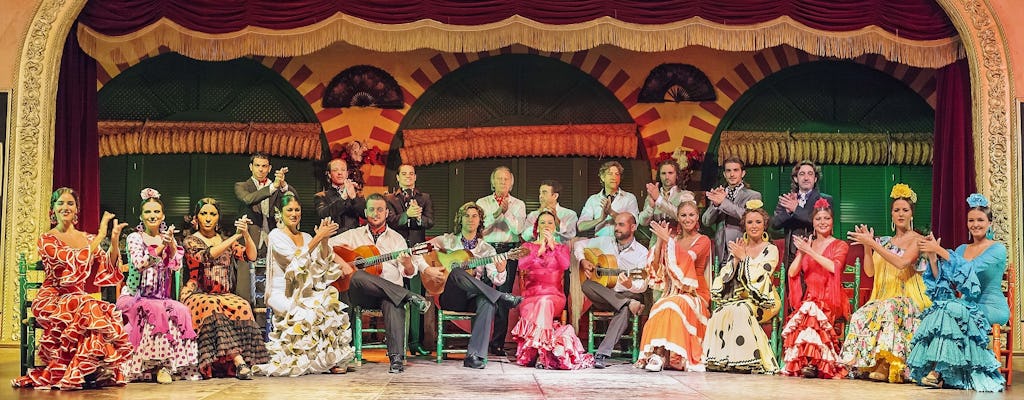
822	203
754	204
903	191
977	200
149	193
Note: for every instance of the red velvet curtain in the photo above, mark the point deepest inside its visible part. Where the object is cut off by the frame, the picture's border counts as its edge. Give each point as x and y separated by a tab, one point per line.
911	19
76	155
953	155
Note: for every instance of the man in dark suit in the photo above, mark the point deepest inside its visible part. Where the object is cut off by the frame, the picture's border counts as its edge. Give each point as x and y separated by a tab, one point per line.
258	196
410	212
794	211
726	206
341	199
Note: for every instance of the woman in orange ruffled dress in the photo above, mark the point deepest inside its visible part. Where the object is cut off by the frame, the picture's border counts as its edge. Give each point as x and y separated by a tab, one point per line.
83	343
673	334
810	344
542	341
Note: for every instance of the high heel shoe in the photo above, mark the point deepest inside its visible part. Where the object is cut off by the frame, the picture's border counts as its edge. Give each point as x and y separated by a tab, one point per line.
163	376
243	372
933	379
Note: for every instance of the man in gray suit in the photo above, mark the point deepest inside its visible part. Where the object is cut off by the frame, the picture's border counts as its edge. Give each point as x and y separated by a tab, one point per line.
726	206
259	196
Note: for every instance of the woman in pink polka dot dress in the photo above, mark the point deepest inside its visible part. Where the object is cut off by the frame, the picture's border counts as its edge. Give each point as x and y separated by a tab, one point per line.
159	327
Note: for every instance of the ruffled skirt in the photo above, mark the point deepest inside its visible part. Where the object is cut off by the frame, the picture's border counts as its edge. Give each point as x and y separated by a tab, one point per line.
736	341
311	338
810	339
952	340
555	346
881	330
677	323
161	330
225	328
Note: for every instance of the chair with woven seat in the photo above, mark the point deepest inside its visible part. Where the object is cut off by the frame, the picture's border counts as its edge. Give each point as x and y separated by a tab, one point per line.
633	335
358	343
852	286
446	315
257	291
1002	335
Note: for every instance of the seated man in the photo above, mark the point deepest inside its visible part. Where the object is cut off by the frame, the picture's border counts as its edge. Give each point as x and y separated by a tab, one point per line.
385	291
626	299
460	289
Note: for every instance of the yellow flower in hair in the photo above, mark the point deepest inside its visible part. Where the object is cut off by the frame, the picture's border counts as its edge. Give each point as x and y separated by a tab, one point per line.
754	204
903	191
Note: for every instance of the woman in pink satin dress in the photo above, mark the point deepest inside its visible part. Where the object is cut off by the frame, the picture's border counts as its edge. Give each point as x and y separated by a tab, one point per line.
542	341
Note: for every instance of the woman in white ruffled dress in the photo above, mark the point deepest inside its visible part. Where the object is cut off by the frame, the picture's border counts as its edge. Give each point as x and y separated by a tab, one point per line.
311	329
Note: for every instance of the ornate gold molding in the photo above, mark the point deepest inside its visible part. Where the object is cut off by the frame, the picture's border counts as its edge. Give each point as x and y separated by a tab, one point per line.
770	148
30	148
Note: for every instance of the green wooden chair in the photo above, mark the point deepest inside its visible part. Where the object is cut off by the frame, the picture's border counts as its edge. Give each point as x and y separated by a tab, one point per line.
358	331
780	319
853	285
27	320
633	335
442	317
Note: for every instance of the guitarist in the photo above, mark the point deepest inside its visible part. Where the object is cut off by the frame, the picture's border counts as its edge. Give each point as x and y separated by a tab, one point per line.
626	299
464	289
384	292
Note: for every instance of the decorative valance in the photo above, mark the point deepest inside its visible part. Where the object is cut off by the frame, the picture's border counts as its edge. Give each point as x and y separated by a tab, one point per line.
913	32
769	148
429	146
298	140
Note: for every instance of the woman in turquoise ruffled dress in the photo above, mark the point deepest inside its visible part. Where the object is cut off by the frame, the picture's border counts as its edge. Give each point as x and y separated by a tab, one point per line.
951	346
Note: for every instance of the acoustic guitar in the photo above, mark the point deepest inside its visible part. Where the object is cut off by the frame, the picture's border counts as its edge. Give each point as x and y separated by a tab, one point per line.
462	259
606	268
369	258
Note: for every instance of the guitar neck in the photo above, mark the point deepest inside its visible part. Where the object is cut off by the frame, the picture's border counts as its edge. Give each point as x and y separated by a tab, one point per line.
482	261
607	271
383	258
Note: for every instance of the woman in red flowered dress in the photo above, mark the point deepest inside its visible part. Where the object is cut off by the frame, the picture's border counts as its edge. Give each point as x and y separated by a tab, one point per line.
810	344
83	343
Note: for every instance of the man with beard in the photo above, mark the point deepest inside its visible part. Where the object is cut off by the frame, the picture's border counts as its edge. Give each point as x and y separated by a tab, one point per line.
726	206
384	292
625	299
601	208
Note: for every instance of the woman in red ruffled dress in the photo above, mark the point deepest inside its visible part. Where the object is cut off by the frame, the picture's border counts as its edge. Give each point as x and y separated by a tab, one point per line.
810	343
542	341
83	343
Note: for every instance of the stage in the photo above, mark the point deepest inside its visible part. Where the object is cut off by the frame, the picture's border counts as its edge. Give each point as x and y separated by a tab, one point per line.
424	379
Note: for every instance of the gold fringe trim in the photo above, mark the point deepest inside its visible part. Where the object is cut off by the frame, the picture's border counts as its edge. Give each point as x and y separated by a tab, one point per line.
429	146
298	140
519	30
772	148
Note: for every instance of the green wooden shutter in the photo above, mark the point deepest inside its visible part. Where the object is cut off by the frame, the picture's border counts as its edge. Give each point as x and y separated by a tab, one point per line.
435	180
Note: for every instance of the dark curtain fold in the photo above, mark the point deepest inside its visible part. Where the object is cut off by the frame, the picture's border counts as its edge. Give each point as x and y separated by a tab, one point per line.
76	155
910	19
953	156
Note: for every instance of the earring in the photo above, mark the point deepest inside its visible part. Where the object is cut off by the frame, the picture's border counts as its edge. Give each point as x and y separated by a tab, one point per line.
163	227
74	221
53	218
140	227
893	224
745	238
911	223
764	236
990	234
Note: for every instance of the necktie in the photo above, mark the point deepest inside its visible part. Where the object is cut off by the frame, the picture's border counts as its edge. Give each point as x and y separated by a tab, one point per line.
803	199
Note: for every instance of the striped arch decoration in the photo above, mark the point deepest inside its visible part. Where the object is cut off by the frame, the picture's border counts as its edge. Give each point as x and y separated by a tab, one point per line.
769	61
653	130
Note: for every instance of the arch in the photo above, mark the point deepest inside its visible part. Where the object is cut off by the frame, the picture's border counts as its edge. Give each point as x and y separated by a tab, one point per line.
31	141
511	90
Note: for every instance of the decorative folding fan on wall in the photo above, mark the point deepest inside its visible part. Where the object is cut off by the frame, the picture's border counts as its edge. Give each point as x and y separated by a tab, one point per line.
363	86
676	82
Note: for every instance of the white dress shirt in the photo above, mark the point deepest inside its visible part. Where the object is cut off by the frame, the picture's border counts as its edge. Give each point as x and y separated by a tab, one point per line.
566	224
506	227
666	205
632	257
388	242
450	242
622	201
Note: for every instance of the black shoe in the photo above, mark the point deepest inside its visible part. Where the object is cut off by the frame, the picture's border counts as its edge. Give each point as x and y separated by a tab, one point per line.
498	351
419	303
475	362
599	361
809	371
509	300
397	364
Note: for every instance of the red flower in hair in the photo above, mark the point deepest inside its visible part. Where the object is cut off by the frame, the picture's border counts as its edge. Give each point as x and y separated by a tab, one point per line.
822	203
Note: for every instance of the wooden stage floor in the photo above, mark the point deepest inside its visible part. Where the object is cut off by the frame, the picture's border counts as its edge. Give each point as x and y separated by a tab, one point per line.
423	379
